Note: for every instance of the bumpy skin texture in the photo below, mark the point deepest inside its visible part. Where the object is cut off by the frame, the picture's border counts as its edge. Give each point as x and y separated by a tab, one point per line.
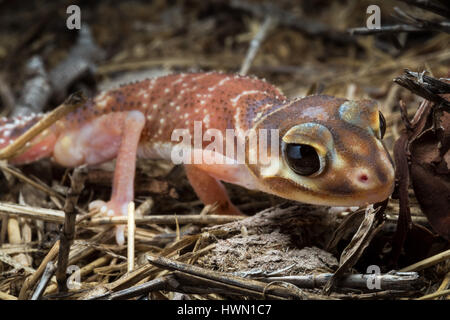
138	120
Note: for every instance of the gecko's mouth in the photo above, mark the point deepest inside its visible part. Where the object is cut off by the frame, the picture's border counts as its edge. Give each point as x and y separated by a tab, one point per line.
341	195
363	198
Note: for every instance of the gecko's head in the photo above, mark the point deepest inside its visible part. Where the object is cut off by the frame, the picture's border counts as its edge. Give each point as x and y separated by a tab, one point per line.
330	153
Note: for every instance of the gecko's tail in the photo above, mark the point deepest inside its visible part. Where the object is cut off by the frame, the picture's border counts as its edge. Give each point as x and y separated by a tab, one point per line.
39	147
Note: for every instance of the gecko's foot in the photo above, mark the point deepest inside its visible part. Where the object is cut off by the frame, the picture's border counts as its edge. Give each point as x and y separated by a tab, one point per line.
112	208
228	208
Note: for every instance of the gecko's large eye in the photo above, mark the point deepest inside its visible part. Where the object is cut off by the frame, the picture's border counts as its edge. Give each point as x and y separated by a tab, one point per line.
302	159
382	125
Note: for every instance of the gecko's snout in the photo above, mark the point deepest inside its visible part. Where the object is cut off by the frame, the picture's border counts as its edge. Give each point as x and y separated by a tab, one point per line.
372	185
364	179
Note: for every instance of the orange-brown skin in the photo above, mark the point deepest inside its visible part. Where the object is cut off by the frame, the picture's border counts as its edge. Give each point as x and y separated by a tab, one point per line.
139	119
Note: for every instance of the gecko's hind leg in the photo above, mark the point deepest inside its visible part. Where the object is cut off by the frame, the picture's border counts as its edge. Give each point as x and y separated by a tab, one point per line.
210	190
123	183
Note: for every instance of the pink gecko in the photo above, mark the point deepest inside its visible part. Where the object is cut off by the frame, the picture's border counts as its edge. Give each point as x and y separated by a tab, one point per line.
331	151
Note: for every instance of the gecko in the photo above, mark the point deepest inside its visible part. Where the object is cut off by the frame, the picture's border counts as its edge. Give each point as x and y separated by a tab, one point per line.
329	150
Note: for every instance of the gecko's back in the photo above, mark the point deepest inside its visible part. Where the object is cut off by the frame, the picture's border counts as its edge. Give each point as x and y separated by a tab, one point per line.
218	100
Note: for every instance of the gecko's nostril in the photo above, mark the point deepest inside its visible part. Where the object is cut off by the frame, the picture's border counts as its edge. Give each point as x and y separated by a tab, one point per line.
363	177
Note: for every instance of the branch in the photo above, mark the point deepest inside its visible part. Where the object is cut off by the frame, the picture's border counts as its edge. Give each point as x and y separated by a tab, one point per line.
424	86
68	234
431	5
397	281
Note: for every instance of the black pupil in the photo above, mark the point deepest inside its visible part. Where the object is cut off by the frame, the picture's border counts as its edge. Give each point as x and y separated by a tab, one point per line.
382	125
303	159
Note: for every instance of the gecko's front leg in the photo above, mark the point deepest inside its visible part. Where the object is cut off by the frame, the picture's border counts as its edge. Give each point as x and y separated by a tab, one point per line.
123	183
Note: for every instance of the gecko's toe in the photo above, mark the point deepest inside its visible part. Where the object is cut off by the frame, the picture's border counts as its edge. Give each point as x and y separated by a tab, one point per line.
98	205
111	209
120	234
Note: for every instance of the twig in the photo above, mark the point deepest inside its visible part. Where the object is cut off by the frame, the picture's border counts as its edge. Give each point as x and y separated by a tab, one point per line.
397	281
428	262
256	43
153	285
3	229
5	296
445	283
68	233
397	28
425	25
430	5
49	215
436	86
145	207
130	239
167	219
424	86
46	276
384	29
435	295
31	281
73	102
388	294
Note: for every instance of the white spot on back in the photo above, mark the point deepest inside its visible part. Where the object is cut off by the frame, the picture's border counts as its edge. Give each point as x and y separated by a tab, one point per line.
206	120
239	96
